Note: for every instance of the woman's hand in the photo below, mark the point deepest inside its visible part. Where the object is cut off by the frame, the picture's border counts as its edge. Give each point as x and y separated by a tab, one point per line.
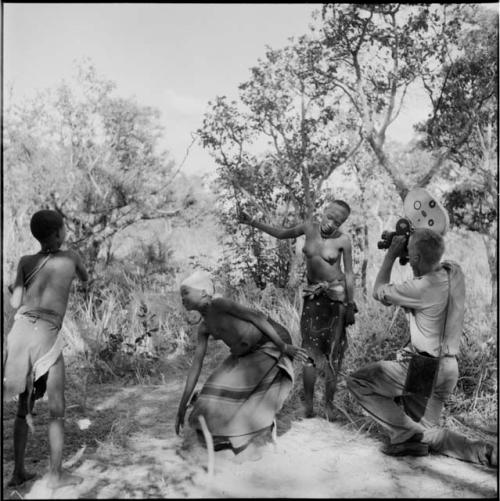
179	420
243	217
296	353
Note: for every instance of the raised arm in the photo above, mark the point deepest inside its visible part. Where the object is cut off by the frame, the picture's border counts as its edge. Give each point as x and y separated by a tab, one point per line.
260	321
384	274
281	233
16	300
193	375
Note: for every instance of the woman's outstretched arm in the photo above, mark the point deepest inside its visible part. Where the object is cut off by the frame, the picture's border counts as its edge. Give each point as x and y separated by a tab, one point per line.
281	233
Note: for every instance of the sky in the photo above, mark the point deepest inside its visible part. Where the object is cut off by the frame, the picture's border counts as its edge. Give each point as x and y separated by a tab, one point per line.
173	56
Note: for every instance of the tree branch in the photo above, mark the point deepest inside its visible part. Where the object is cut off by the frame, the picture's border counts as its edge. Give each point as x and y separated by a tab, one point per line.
392	99
400	106
399	183
426	178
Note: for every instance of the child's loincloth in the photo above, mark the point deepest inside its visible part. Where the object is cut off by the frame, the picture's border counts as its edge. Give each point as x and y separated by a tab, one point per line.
33	346
320	314
242	396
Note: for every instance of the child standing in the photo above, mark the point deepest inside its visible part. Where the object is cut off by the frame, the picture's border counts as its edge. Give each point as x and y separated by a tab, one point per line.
33	361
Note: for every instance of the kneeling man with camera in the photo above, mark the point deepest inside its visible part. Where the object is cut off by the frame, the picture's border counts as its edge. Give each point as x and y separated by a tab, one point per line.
406	396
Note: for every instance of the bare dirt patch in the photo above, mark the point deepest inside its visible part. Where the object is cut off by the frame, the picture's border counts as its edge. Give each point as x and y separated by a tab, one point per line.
130	450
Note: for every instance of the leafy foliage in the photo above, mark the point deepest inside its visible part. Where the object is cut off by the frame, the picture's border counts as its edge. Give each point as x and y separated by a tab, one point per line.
378	51
465	106
470	208
88	154
302	135
465	91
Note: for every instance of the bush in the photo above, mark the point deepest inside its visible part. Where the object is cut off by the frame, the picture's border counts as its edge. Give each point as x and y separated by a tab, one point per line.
126	326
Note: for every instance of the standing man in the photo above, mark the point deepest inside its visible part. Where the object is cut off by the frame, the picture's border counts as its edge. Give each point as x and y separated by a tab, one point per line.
434	300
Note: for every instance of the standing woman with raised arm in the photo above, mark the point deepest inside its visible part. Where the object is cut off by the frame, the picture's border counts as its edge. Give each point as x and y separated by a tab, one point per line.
328	296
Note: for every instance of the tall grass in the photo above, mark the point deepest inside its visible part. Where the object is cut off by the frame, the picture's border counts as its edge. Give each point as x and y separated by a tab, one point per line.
130	326
380	331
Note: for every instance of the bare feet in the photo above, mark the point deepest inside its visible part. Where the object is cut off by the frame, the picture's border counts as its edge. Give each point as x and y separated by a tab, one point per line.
330	413
20	478
54	481
309	412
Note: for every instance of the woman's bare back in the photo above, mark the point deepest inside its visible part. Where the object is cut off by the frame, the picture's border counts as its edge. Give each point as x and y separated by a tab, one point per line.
238	334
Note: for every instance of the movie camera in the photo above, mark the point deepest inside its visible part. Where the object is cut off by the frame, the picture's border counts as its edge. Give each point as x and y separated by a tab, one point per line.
403	228
421	210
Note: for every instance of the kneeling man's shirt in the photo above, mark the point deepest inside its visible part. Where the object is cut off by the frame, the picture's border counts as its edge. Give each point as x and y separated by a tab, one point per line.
425	299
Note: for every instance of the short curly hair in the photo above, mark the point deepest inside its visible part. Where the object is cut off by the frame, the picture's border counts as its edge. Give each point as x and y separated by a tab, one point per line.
429	244
45	223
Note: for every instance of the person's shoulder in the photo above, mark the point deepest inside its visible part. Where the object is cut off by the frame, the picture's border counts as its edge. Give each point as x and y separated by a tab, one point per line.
413	284
432	278
346	238
308	224
223	303
71	254
28	259
451	267
424	284
343	241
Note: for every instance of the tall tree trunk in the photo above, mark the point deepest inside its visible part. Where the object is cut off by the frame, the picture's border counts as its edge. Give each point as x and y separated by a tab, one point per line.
296	257
364	237
364	264
398	181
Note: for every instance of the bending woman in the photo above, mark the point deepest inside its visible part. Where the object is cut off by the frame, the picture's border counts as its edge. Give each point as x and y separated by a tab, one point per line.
328	296
241	398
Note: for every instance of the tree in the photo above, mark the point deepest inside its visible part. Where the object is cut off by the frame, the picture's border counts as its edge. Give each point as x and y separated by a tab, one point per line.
302	132
376	51
469	100
367	206
91	156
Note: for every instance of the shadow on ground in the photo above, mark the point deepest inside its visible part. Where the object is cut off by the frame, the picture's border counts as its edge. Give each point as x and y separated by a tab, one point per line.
130	450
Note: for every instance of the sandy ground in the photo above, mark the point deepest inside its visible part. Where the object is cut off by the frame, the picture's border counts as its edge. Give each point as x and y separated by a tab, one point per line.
141	457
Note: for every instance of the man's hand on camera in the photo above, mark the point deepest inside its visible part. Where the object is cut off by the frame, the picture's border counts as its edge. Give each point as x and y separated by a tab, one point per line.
397	245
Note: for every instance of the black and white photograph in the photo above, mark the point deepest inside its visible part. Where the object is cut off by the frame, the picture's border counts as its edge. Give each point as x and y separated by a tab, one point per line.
249	250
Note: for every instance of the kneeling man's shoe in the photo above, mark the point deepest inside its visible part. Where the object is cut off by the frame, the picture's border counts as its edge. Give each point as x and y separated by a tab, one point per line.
412	447
492	455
